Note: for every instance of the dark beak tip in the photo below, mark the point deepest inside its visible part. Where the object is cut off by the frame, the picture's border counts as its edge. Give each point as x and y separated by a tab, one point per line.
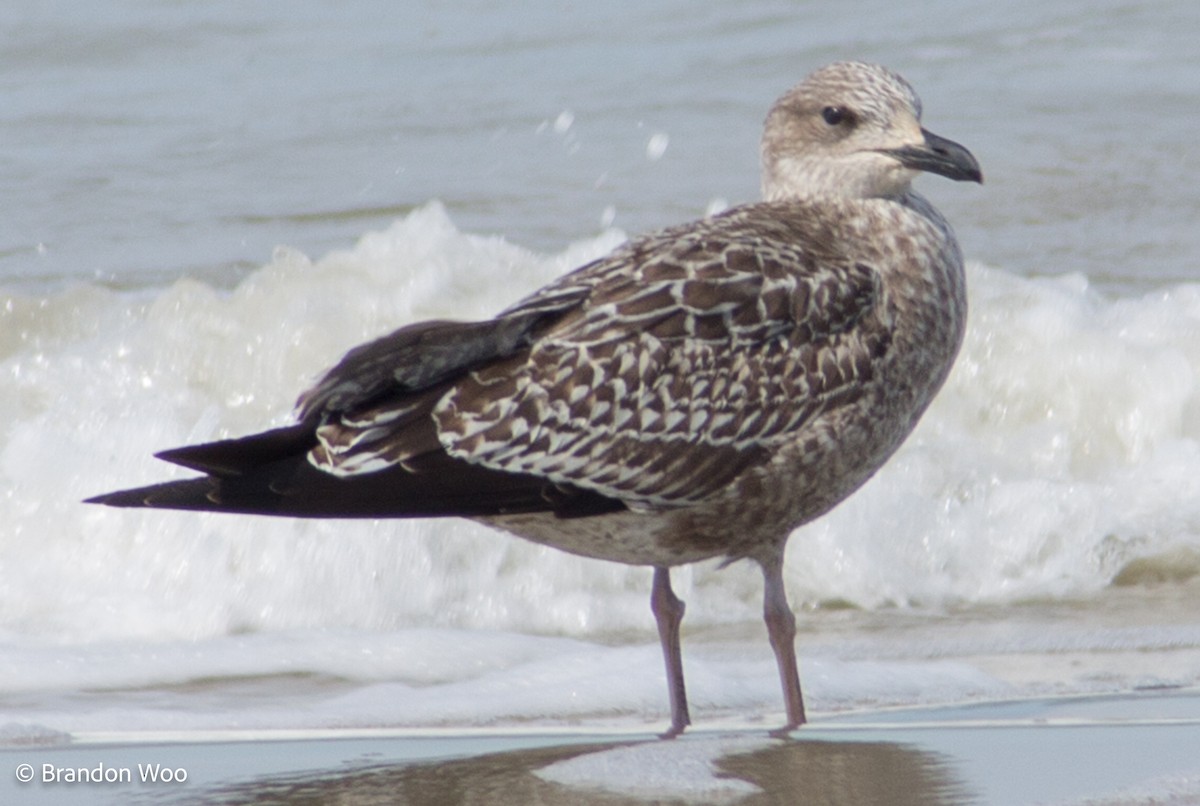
941	156
972	171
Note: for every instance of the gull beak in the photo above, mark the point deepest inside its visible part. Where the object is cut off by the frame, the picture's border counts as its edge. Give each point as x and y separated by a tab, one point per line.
940	156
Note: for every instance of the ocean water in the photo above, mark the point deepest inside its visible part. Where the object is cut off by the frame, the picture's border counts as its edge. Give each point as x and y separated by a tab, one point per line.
207	204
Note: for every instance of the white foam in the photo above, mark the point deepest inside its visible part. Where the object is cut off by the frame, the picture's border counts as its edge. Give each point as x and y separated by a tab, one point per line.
1172	790
656	146
1063	448
434	678
679	770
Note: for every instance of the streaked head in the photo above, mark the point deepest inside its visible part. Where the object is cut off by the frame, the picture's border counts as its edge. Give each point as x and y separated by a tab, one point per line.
854	130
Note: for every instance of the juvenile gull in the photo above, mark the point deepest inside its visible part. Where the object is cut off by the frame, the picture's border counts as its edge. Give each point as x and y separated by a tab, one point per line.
698	393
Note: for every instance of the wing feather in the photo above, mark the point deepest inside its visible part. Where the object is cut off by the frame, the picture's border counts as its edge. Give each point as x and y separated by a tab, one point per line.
694	354
650	378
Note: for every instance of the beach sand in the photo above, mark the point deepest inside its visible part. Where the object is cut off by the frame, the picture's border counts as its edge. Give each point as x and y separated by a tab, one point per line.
1139	747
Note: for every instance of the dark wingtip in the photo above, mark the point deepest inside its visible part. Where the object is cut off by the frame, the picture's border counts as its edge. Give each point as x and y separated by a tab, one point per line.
121	498
190	494
190	456
236	457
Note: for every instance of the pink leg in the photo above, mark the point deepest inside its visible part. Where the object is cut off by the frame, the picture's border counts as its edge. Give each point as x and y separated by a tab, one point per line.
668	612
781	629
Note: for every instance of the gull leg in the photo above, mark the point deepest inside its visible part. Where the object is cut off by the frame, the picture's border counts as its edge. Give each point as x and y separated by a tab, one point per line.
668	613
781	629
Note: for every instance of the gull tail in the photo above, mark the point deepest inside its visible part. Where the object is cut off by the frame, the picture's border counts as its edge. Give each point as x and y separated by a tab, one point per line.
269	474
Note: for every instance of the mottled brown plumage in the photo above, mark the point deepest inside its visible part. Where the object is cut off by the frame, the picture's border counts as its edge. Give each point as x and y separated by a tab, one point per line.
700	392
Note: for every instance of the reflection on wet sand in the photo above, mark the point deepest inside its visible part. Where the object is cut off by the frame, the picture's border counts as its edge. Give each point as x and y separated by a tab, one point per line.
807	771
816	773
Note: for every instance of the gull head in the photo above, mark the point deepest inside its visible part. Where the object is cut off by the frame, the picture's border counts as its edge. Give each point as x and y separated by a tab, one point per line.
853	130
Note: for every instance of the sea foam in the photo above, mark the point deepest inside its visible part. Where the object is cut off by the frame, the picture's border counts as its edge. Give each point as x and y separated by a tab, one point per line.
1062	450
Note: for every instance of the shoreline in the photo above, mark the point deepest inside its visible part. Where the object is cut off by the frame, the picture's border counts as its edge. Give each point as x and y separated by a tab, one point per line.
1071	749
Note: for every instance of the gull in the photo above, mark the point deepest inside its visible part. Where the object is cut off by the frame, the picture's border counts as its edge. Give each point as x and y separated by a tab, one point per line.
698	393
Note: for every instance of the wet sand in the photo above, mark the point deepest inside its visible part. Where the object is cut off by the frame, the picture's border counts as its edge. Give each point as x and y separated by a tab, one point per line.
1138	747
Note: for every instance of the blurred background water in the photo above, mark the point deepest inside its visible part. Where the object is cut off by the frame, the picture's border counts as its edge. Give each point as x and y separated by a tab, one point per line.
145	141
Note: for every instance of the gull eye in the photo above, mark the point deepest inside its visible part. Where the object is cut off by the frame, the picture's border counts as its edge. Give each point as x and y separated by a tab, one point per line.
836	115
